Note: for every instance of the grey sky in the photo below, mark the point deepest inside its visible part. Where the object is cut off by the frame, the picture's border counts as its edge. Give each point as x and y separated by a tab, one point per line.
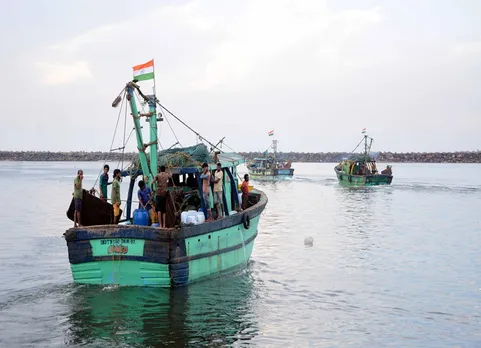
315	71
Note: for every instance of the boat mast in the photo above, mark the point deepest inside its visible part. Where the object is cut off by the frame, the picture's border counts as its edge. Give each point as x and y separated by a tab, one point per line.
365	145
131	86
153	130
274	147
153	135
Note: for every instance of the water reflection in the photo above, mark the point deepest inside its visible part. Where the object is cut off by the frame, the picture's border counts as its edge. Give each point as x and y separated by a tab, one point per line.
219	312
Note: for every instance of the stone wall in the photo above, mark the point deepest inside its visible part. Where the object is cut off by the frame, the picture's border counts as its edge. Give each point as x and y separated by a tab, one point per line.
393	157
316	157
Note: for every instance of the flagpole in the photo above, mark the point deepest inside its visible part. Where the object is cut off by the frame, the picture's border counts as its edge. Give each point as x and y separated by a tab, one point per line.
153	128
153	68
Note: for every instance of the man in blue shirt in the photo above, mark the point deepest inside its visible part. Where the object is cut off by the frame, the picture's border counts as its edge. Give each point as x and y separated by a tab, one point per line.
145	195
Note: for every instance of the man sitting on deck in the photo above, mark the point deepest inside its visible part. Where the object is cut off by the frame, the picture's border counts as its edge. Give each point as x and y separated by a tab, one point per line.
205	176
387	171
218	191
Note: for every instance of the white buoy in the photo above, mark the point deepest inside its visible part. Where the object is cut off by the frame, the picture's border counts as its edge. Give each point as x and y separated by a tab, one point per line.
308	241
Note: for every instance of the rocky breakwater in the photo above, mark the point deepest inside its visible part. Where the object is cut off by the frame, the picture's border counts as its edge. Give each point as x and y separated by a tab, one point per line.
77	156
392	157
430	157
306	157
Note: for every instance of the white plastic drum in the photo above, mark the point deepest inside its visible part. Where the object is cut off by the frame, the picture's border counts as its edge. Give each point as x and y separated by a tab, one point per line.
183	216
200	218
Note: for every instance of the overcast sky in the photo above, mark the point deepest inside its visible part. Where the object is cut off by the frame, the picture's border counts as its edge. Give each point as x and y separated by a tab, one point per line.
317	72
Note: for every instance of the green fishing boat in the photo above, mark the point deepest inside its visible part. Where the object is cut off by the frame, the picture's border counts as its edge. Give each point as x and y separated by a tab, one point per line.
359	169
271	166
136	252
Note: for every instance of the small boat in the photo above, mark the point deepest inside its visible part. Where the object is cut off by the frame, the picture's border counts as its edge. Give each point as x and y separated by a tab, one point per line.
359	169
138	253
270	166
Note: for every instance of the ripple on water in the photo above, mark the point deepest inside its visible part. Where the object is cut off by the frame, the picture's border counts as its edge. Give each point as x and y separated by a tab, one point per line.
388	266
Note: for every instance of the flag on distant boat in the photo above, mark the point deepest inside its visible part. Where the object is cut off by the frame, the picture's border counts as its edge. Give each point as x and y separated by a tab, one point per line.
364	131
271	133
145	71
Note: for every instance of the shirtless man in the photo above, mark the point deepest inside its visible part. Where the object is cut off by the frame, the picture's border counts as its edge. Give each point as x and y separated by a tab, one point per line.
162	180
77	197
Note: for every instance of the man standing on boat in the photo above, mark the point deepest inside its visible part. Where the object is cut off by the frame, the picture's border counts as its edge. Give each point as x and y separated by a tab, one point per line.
245	191
116	195
218	190
162	180
77	197
104	182
205	176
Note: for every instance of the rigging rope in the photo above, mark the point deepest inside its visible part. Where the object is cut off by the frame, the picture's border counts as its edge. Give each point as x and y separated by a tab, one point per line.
175	135
113	137
188	127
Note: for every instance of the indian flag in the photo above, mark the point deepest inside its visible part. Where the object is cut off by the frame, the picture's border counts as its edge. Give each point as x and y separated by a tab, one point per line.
145	71
364	131
271	133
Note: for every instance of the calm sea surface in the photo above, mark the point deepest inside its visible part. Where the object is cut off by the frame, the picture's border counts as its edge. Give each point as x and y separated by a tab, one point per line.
396	266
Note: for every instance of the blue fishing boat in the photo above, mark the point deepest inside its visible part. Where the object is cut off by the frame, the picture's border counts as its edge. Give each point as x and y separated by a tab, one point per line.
136	252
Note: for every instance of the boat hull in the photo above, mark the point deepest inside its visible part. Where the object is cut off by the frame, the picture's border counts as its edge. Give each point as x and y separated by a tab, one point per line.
148	256
363	180
271	173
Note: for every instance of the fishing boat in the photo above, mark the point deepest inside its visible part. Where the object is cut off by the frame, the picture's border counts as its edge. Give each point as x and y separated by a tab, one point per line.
271	166
359	169
135	251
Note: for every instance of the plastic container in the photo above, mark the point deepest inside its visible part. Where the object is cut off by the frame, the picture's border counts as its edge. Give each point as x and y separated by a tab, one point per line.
191	219
141	217
183	216
233	212
200	218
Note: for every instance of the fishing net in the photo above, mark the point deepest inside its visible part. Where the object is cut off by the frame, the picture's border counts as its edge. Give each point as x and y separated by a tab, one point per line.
192	156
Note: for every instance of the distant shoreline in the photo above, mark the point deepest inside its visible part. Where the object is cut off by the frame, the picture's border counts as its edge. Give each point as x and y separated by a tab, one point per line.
306	157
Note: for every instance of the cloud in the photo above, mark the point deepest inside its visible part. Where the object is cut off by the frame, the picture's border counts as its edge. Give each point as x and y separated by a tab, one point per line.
73	46
54	74
225	42
466	49
269	29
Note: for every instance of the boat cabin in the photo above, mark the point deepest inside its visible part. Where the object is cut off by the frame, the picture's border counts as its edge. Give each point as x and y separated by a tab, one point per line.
189	188
358	165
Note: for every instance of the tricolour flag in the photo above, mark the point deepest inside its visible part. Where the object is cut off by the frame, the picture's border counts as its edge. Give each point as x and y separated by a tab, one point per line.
364	131
271	133
145	71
